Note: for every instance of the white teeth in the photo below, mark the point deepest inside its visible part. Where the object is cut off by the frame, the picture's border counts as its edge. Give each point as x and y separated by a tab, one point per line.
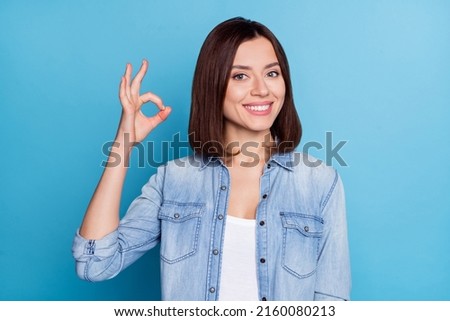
257	108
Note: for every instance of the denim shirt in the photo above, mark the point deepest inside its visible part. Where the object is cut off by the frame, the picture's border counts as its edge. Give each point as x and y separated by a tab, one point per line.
301	231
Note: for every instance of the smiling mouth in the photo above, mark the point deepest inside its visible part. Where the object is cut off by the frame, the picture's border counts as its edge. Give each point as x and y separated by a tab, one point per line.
258	107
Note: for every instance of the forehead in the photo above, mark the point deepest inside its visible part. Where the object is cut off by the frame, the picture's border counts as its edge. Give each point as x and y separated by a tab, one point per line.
254	51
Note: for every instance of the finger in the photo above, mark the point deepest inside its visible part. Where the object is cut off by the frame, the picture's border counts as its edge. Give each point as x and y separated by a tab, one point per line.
163	114
128	71
159	117
136	83
122	92
149	96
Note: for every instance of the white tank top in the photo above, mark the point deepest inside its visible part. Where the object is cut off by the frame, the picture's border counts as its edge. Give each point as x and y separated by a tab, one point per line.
238	280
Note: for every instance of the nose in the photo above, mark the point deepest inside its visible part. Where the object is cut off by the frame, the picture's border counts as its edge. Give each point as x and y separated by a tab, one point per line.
259	87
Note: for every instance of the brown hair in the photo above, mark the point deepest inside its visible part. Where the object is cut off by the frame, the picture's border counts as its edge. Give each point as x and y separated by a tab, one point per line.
210	83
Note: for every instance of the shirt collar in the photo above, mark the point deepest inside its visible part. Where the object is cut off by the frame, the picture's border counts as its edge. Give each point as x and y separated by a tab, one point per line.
285	160
207	161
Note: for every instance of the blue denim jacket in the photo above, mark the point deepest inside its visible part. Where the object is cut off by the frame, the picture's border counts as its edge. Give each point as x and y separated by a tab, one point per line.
301	231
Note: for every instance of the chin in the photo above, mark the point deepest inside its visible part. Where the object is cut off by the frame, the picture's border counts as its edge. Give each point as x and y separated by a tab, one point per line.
261	128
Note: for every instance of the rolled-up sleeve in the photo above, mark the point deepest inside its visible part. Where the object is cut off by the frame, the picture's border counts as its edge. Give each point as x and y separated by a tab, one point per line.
138	232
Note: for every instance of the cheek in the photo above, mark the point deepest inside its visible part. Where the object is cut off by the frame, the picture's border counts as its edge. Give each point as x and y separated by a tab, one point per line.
235	94
280	90
231	98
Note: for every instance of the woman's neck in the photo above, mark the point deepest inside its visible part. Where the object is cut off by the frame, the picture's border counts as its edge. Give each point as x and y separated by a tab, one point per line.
248	148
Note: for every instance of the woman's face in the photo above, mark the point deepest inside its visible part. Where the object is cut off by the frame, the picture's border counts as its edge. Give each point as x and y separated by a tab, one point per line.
255	91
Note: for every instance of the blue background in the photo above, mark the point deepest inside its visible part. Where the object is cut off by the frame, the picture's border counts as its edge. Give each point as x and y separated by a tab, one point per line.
374	73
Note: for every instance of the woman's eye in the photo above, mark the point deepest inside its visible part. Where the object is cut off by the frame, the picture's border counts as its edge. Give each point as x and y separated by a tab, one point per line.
239	77
273	74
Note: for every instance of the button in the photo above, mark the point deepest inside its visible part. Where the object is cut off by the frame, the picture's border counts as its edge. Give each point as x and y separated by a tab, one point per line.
306	228
262	260
215	252
264	196
90	247
223	187
220	217
263	298
176	215
269	166
262	223
212	290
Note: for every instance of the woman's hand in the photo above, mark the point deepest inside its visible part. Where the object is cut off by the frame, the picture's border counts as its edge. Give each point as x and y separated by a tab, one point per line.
133	122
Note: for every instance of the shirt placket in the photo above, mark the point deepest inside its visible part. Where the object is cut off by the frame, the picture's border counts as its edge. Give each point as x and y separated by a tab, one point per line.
215	255
262	235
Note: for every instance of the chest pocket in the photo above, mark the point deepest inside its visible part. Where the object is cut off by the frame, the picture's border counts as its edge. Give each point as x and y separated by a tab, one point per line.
180	225
301	237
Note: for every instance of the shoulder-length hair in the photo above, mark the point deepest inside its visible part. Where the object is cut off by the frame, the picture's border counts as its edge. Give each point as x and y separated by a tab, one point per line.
210	83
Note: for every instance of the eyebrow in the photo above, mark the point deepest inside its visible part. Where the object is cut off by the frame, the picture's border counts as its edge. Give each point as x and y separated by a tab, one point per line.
273	64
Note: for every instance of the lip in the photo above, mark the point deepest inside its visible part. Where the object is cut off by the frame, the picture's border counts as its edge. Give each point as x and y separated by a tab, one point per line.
259	108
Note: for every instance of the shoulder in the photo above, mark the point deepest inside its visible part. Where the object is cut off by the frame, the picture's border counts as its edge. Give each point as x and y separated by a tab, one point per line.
322	179
186	169
185	164
307	167
314	167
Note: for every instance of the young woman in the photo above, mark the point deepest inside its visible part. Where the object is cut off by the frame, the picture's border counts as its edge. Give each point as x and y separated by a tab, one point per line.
244	217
